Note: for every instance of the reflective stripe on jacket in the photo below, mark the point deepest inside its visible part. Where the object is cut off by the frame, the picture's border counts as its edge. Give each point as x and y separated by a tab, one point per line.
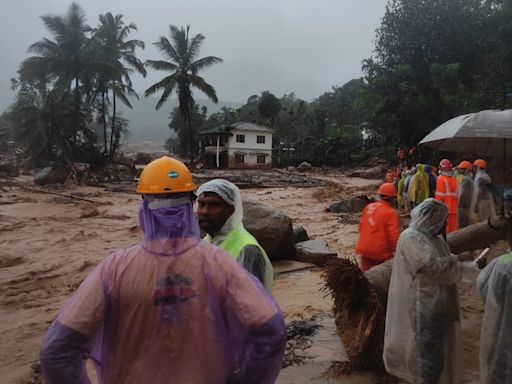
234	243
446	192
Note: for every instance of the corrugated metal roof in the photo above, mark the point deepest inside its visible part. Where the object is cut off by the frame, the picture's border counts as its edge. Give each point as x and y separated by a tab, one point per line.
243	126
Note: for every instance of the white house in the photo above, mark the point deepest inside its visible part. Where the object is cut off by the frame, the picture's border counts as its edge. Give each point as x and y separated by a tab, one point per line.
241	145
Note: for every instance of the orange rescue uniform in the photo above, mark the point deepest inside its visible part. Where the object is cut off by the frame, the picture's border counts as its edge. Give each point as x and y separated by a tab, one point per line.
379	230
446	192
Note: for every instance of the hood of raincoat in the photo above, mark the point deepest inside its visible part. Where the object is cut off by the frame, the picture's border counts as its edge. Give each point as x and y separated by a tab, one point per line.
230	193
169	225
429	216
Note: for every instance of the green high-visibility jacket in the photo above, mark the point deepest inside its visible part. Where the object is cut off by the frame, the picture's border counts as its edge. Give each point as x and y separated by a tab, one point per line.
233	244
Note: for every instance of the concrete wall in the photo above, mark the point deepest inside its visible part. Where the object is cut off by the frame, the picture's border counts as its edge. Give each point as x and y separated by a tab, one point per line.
250	159
250	140
250	148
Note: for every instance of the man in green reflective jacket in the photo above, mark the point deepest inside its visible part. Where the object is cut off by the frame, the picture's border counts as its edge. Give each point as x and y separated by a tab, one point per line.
220	215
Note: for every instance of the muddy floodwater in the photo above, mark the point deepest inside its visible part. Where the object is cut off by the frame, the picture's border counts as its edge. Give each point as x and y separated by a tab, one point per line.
49	243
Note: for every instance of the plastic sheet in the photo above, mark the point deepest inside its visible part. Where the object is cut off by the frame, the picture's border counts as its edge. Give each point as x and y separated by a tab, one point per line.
482	202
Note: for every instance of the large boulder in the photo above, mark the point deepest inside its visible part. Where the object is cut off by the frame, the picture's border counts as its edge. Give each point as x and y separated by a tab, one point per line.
352	205
51	175
271	227
300	234
314	251
375	172
304	167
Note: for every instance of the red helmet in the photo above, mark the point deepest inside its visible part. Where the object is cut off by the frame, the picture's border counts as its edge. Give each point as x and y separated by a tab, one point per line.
387	189
480	163
445	165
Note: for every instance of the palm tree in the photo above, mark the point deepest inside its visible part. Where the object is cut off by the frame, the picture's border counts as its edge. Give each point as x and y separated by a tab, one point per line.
119	53
65	59
181	61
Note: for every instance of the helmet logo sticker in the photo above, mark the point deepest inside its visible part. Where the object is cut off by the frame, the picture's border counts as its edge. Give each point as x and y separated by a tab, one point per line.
173	174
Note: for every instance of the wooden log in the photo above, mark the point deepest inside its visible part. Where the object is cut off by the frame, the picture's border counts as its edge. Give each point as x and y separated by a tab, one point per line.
479	236
476	236
37	190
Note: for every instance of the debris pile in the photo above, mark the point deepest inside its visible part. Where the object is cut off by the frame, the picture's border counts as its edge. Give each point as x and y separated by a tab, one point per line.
358	312
271	178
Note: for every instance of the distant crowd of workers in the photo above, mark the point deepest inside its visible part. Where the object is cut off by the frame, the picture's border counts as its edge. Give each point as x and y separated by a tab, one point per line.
421	343
466	196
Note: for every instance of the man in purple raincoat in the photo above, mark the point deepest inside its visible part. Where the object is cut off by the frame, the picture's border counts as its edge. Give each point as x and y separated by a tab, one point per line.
170	309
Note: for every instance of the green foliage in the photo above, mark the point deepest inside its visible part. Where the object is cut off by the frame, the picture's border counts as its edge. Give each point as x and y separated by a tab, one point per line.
435	60
113	48
179	142
269	107
181	61
63	90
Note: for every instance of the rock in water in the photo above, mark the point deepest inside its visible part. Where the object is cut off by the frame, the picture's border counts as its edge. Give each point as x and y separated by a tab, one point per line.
271	227
314	251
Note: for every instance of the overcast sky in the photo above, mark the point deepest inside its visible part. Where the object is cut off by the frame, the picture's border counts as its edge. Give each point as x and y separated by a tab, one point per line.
301	46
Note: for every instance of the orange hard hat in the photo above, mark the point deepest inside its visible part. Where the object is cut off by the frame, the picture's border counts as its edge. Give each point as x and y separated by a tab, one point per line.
465	165
387	189
445	165
165	175
480	163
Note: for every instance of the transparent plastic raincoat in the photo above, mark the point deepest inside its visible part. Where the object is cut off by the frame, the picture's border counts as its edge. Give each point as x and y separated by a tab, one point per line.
482	202
234	238
465	195
494	285
171	309
422	320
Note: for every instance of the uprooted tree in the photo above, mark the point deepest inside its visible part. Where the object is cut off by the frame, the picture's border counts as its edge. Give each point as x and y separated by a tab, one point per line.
360	298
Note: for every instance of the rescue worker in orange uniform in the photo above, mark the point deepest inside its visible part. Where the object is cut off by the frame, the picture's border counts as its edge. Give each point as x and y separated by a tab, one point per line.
379	229
447	193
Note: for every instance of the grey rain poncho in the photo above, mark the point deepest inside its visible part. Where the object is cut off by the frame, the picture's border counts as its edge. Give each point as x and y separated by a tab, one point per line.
495	287
482	201
422	320
465	196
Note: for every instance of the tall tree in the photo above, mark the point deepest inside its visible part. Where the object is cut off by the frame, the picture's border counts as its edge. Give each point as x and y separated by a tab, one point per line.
269	107
431	63
120	54
66	59
181	60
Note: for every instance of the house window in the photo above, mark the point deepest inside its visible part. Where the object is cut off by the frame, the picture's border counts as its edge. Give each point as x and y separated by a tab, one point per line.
260	139
240	138
260	159
239	158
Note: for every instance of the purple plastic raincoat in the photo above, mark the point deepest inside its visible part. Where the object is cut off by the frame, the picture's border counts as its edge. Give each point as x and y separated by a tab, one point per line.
171	309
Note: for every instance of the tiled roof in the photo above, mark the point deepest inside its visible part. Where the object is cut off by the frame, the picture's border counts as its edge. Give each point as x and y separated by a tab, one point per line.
243	126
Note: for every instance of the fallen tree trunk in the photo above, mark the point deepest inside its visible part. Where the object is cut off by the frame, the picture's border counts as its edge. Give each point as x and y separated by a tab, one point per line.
37	190
479	236
360	298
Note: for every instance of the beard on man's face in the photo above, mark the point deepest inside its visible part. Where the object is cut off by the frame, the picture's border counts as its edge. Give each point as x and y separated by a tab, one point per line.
209	225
